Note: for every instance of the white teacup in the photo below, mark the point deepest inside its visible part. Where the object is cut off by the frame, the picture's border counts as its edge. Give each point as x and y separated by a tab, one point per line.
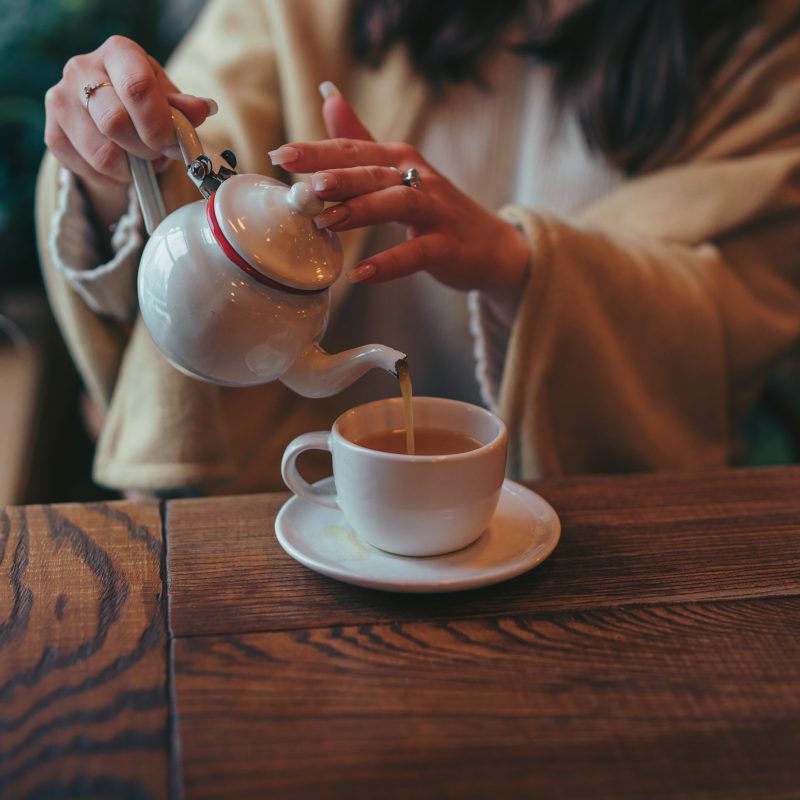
409	505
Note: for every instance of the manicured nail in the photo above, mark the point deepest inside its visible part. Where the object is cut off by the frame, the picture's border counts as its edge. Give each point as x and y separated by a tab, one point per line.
361	273
213	108
332	216
284	155
328	89
173	152
189	98
324	182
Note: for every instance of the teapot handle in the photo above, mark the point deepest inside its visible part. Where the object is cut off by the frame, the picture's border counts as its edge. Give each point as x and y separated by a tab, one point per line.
144	177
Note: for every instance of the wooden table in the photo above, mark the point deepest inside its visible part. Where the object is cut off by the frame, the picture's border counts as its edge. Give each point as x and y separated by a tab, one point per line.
655	654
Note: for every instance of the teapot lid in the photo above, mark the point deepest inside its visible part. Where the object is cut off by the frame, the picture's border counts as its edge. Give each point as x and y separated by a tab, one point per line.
271	227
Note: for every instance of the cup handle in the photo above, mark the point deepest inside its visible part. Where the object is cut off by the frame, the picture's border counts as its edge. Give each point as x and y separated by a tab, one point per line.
318	440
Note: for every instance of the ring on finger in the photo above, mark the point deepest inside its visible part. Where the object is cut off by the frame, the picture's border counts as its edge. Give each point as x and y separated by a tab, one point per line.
412	178
90	88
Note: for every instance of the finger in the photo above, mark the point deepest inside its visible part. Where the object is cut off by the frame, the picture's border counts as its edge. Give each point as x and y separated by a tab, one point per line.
339	153
113	121
195	109
99	152
161	75
396	204
412	256
342	184
161	164
340	119
143	97
60	146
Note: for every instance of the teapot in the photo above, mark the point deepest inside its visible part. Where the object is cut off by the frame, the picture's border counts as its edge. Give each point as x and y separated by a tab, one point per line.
234	288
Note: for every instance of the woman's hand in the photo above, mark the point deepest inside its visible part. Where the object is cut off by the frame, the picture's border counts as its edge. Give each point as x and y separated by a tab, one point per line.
450	235
131	113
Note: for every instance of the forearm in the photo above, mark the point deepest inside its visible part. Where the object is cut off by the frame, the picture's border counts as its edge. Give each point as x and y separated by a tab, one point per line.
509	267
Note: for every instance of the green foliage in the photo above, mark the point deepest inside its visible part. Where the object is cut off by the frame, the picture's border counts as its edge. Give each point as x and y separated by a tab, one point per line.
772	431
37	37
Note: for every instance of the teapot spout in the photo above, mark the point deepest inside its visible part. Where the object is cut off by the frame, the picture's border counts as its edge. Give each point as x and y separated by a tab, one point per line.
316	373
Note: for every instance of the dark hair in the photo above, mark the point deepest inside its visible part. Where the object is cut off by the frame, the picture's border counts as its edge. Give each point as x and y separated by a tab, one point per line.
632	70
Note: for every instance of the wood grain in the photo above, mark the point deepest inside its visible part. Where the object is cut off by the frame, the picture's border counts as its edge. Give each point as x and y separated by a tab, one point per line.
626	539
83	706
680	700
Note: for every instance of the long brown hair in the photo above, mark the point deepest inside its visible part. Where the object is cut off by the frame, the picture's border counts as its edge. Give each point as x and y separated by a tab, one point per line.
632	70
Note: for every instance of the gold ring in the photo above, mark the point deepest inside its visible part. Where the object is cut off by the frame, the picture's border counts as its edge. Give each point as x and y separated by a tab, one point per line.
90	88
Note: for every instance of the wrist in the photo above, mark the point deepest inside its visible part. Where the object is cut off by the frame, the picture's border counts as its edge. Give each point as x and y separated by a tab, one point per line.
106	204
511	266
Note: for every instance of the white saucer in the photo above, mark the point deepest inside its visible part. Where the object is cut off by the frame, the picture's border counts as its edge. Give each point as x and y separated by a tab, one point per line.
524	531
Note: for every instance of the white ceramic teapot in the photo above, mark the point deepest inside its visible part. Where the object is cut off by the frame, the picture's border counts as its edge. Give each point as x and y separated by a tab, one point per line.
234	289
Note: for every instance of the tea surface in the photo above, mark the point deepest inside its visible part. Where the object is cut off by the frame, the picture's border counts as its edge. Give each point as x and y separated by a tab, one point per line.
428	442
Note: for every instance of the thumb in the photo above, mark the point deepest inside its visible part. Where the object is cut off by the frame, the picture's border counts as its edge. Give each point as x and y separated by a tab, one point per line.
340	119
196	109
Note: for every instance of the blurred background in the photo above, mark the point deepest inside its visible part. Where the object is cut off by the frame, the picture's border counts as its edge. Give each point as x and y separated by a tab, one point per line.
45	453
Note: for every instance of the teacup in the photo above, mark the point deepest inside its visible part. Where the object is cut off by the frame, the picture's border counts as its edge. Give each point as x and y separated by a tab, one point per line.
420	505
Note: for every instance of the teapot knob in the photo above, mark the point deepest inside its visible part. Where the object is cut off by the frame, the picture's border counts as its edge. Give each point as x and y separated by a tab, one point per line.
302	198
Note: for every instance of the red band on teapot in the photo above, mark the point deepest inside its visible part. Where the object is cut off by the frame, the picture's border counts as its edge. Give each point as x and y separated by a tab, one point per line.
233	256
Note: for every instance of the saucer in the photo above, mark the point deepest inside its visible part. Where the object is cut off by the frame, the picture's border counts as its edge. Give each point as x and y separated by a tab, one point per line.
523	532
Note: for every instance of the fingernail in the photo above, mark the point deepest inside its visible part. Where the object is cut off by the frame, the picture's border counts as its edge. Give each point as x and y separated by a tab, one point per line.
328	89
213	108
332	216
161	164
173	152
323	182
362	272
283	155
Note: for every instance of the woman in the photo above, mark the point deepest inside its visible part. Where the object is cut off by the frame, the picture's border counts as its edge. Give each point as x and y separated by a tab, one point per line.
627	305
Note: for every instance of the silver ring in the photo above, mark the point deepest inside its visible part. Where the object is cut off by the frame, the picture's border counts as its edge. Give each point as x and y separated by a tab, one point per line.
90	88
412	179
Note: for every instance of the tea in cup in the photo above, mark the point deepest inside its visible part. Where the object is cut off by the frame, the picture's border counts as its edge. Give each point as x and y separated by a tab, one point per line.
436	501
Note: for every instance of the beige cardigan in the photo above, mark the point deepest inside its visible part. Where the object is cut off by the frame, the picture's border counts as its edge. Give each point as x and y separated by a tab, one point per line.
642	338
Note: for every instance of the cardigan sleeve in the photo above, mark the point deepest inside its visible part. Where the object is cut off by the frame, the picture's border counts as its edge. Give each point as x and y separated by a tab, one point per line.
108	288
490	326
645	335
